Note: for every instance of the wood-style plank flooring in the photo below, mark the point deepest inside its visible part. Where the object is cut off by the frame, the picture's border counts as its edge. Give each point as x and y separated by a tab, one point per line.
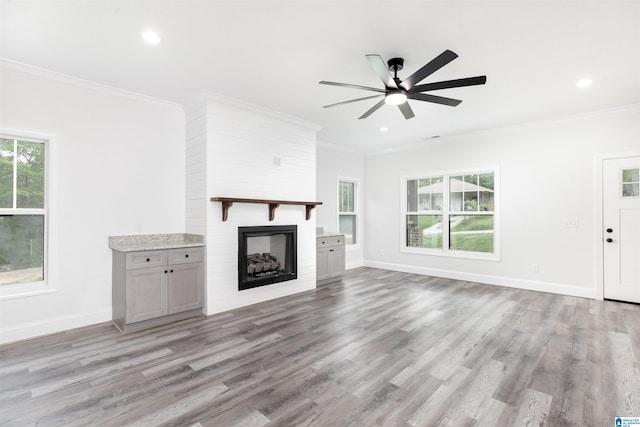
379	348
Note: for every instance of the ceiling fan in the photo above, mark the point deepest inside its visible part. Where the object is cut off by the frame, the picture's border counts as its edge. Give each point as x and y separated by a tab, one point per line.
396	91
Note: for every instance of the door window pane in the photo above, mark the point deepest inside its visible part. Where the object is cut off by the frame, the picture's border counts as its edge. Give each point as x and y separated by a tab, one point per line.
21	249
630	182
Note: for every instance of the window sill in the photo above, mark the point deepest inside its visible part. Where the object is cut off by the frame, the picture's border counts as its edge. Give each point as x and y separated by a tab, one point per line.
23	290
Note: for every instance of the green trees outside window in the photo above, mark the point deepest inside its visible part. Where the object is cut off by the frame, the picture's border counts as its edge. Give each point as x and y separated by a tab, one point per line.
347	214
22	211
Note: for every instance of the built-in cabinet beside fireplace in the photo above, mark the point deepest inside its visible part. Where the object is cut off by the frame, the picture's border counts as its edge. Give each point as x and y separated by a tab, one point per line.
330	258
157	279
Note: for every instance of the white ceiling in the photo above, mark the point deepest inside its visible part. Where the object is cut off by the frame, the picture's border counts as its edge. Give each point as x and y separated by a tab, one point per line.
273	53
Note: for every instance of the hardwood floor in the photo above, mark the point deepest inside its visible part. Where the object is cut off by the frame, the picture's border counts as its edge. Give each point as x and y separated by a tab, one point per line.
380	348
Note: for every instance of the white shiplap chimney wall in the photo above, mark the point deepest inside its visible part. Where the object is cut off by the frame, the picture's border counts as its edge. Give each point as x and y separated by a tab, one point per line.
235	149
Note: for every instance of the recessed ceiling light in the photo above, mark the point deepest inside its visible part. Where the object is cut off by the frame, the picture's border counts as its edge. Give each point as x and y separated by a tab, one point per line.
384	129
151	37
584	82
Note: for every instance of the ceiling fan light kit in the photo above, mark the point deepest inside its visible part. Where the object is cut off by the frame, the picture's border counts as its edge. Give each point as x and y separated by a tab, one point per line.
395	98
397	92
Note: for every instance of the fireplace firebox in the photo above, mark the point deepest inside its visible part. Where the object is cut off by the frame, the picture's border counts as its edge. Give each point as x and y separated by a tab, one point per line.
266	255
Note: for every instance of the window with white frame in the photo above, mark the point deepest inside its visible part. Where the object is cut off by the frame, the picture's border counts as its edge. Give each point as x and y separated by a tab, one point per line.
347	210
23	210
451	214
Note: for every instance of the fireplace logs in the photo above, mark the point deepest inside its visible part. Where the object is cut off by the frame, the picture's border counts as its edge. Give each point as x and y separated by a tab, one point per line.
263	263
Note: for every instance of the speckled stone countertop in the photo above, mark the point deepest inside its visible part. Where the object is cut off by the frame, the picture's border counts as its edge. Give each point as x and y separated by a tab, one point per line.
149	242
328	234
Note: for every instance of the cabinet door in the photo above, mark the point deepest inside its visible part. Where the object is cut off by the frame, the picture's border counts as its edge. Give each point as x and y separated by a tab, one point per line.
322	263
146	294
186	287
337	261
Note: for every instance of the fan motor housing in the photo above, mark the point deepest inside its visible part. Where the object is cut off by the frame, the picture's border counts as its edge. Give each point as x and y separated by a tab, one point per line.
395	64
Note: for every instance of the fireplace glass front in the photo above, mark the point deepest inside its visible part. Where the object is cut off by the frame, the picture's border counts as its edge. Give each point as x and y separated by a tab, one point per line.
266	255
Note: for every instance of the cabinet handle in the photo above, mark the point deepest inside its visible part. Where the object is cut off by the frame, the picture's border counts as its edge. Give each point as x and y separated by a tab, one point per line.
330	250
148	260
186	256
165	272
171	271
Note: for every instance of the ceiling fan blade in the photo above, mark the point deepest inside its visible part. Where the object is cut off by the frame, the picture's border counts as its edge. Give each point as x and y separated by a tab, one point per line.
438	62
382	70
435	99
350	101
469	81
374	89
372	110
407	112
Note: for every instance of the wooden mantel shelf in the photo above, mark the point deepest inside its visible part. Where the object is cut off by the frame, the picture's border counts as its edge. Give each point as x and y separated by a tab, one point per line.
227	202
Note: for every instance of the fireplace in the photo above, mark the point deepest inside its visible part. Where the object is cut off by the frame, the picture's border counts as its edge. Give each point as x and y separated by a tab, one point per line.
266	255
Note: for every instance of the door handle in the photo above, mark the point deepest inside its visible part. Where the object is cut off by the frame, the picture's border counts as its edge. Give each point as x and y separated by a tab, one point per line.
609	230
609	240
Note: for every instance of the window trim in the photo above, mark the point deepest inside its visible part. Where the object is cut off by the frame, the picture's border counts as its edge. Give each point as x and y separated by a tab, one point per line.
356	209
446	213
18	290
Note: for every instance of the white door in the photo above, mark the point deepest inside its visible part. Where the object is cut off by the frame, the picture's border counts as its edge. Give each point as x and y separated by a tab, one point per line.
621	234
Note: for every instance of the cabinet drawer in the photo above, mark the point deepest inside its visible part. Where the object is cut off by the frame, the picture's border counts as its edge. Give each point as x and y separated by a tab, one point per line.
337	241
146	259
322	242
184	255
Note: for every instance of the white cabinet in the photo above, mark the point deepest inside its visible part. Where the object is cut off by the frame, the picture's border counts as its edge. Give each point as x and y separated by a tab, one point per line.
329	258
155	287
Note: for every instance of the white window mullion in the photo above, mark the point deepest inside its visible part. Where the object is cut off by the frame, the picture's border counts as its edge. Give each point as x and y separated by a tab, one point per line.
15	174
445	214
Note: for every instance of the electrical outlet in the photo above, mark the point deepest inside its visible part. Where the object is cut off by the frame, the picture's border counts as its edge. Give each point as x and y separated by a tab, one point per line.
276	161
536	268
139	227
570	223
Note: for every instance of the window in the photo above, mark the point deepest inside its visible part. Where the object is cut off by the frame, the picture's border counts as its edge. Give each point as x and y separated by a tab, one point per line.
451	214
23	214
630	183
347	210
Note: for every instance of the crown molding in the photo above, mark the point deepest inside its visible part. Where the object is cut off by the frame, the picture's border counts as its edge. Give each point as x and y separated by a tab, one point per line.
247	106
12	65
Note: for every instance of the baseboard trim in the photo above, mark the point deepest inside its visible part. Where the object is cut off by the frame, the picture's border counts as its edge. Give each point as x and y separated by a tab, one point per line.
511	282
51	326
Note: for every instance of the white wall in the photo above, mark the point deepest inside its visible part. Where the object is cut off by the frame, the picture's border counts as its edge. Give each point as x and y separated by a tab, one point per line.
118	165
547	174
255	153
332	163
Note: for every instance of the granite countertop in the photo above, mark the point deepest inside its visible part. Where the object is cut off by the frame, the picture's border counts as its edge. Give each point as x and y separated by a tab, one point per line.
149	242
328	234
